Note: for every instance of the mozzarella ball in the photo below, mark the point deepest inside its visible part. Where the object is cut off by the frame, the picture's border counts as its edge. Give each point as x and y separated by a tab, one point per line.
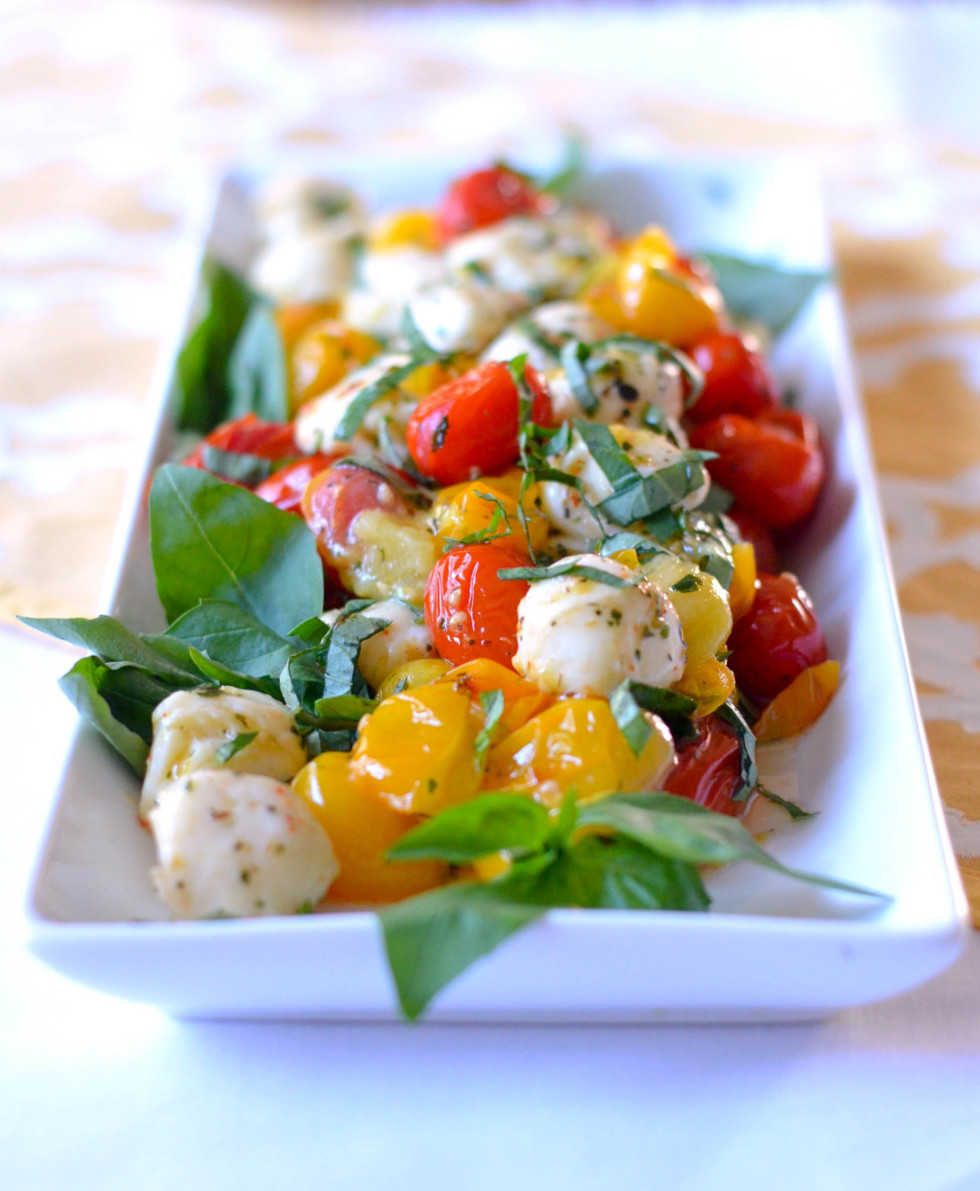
292	206
318	420
189	727
461	313
313	266
577	635
624	383
542	333
238	844
406	639
387	279
564	507
543	257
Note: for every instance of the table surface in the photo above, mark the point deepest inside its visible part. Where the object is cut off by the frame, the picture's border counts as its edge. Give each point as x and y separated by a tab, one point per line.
115	125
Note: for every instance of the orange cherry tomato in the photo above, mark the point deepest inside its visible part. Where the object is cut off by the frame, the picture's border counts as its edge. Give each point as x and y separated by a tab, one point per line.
800	704
736	378
486	197
707	769
777	639
248	435
774	466
285	488
469	610
469	426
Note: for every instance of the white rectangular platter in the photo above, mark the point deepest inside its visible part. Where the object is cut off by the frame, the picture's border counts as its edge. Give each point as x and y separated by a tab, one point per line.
770	949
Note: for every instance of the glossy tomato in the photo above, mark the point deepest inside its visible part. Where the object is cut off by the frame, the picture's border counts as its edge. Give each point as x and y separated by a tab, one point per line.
773	466
486	197
707	769
778	638
736	378
334	498
469	610
248	435
285	488
469	426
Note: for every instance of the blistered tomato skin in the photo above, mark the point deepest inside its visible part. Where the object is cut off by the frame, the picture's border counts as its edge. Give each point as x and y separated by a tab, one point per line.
777	639
248	435
706	769
285	488
485	197
736	378
470	426
470	611
773	466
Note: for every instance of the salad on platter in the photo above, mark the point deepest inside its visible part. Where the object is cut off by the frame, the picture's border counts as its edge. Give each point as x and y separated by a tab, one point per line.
472	578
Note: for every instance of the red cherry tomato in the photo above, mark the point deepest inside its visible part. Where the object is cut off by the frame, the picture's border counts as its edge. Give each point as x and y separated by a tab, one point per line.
486	197
706	769
469	426
774	466
777	638
333	498
248	435
469	610
752	530
736	378
285	488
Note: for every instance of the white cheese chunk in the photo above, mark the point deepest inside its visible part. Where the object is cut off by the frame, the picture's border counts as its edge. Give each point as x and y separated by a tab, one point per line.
318	421
406	639
542	332
387	279
461	313
238	844
189	727
578	635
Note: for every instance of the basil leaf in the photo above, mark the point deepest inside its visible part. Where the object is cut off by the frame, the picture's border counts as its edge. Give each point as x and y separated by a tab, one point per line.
662	352
616	873
539	574
211	540
761	291
718	500
202	393
673	708
486	824
320	740
235	466
222	675
342	677
257	374
432	938
574	360
681	830
231	747
340	711
629	718
492	703
354	415
233	637
689	583
747	770
795	812
113	643
625	540
83	684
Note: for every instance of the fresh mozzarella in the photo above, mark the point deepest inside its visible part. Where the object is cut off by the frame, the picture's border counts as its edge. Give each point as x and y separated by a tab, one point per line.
461	313
406	639
544	257
313	266
583	636
238	844
387	279
541	333
318	421
189	727
624	385
292	206
568	508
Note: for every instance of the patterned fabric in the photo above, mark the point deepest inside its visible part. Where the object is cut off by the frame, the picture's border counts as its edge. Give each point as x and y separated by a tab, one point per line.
117	116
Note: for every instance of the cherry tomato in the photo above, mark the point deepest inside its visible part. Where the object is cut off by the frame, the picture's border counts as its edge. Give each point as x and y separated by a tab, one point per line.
285	488
469	425
333	498
752	530
248	435
774	466
486	197
469	610
736	378
777	638
706	769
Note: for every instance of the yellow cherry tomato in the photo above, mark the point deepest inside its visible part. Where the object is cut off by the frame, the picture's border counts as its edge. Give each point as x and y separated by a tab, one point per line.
362	828
800	704
406	677
576	744
406	229
324	354
417	750
464	509
709	682
741	593
522	699
296	317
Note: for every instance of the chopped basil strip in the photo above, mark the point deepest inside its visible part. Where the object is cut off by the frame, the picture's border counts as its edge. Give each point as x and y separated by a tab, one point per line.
795	812
539	574
574	360
231	747
492	703
747	769
629	718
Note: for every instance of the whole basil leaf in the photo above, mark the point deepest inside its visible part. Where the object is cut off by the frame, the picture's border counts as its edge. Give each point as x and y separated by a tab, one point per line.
229	635
83	685
257	376
113	643
484	825
761	291
616	873
211	540
221	675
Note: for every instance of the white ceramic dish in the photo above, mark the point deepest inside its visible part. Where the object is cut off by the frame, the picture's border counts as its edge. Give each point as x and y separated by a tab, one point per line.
770	949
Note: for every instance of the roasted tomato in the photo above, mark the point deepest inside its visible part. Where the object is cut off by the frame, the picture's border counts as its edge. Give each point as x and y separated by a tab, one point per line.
285	488
706	769
334	498
736	378
778	638
469	426
486	197
774	466
469	610
247	435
